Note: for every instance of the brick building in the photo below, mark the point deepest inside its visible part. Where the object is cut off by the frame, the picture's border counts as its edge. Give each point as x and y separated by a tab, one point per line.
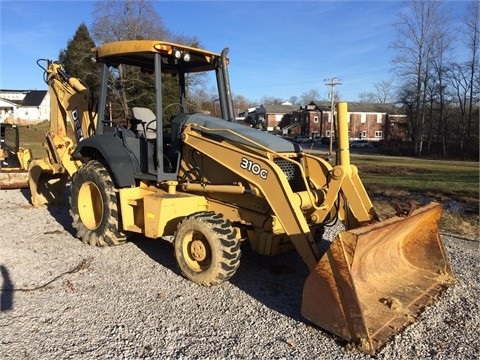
269	117
365	121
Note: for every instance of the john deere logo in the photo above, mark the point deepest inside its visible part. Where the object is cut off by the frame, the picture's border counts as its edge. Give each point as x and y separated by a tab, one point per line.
76	123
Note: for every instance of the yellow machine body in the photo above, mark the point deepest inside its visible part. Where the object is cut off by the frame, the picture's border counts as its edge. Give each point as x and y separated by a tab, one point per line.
228	183
154	212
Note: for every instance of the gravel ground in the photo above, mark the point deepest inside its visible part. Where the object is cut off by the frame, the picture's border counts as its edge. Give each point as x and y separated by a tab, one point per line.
73	301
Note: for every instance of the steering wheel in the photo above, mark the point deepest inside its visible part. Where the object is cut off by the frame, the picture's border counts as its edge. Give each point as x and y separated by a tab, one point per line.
150	123
173	104
164	109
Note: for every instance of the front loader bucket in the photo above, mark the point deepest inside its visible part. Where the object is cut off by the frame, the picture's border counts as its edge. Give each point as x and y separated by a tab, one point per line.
373	281
13	179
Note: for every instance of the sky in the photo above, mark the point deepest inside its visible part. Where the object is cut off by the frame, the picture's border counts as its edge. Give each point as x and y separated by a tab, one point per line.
277	49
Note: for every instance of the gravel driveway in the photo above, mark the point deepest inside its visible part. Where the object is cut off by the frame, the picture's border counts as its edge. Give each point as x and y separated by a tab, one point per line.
61	299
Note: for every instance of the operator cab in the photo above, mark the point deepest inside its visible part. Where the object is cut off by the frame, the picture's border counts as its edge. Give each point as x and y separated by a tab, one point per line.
168	68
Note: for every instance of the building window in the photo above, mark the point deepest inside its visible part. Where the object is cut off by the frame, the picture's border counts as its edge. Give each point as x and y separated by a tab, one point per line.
363	118
378	134
379	118
364	134
315	119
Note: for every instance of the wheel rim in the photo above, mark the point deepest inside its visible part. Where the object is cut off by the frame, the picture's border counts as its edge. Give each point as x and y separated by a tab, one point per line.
196	251
90	205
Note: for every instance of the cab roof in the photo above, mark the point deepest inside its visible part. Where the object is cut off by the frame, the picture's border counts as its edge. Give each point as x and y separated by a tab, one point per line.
175	57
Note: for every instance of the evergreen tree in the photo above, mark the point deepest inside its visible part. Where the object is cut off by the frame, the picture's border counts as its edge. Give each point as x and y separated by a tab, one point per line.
77	60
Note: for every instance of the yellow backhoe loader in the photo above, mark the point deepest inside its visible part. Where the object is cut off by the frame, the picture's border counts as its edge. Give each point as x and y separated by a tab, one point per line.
14	159
211	183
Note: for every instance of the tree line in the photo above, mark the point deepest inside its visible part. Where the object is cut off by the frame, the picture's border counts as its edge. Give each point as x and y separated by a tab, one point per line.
439	94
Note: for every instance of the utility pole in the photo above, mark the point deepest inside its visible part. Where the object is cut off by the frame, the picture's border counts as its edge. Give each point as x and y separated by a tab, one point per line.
332	83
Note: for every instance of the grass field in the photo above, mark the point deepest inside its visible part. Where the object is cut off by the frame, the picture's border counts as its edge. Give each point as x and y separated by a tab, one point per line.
388	180
33	136
455	184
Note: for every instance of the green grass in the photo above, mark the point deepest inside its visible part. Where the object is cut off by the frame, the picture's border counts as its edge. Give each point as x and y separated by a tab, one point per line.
450	178
455	184
33	136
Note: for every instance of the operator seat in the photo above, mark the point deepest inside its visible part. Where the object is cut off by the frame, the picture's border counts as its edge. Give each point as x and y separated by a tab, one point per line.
145	116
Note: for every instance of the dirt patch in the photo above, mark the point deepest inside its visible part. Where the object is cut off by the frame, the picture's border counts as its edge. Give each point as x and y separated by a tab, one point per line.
458	217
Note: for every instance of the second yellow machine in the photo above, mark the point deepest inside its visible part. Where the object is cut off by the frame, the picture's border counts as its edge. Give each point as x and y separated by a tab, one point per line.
212	183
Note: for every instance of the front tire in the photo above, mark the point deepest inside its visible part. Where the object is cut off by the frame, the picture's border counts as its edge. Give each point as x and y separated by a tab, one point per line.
94	206
206	248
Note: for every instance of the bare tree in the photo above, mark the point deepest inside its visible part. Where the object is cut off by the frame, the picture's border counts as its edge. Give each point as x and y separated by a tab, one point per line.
136	20
201	100
270	100
459	83
439	88
367	97
240	103
419	31
116	20
472	41
293	100
384	91
309	96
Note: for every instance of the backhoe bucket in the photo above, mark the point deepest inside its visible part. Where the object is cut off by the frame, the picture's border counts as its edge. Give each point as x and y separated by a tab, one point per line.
375	280
46	188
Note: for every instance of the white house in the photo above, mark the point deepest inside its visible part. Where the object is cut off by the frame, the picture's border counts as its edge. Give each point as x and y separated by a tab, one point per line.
24	106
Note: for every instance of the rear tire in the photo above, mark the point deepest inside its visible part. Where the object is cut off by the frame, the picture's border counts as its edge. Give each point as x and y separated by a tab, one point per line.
94	206
206	248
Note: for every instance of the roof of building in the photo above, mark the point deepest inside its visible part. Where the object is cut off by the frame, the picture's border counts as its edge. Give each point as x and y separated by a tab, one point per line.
7	102
278	108
361	107
34	98
14	91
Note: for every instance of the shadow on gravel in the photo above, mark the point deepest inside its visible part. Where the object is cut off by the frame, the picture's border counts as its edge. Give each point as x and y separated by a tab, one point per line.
6	293
59	213
277	282
27	194
160	251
